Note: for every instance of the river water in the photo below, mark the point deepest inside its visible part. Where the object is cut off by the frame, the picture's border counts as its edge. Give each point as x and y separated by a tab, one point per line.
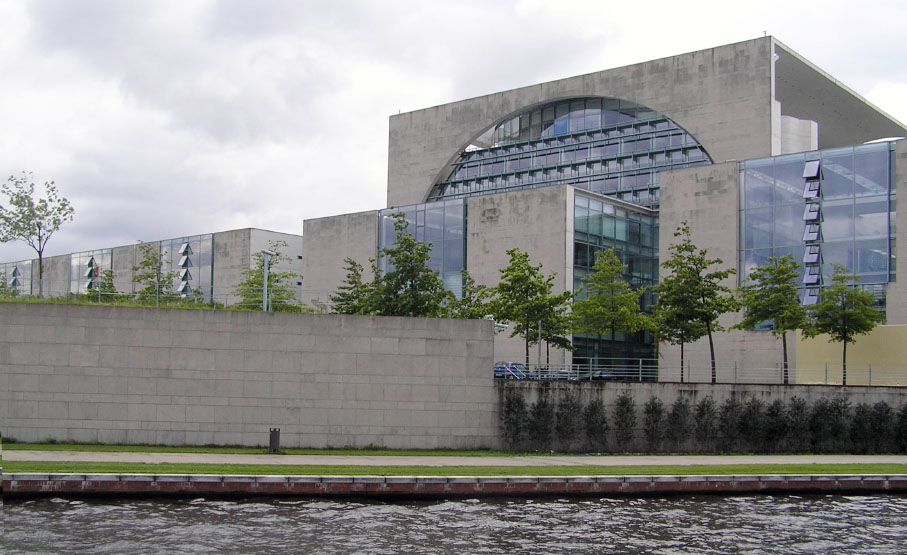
686	524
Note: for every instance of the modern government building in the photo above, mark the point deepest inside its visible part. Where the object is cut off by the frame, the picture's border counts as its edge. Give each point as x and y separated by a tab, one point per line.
760	151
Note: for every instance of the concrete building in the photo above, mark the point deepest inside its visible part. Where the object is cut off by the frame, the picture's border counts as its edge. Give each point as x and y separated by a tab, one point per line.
759	150
211	263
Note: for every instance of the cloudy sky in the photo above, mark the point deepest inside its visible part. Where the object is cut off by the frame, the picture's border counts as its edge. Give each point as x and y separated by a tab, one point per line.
161	119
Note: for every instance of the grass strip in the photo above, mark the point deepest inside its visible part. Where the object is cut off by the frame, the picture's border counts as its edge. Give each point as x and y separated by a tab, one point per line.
360	470
236	450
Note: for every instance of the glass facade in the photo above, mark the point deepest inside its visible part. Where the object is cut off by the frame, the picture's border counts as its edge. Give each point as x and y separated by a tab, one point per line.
85	269
605	145
443	225
17	276
633	235
834	206
193	260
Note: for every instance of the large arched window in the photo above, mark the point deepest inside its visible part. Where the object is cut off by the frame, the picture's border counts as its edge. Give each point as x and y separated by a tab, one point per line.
606	145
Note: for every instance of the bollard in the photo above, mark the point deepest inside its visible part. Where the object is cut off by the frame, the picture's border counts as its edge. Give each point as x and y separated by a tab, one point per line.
275	441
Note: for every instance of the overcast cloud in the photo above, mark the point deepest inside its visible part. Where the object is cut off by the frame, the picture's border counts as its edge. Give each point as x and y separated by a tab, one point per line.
163	119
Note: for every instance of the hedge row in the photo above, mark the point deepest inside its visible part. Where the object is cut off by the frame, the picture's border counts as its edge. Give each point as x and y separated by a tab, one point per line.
751	425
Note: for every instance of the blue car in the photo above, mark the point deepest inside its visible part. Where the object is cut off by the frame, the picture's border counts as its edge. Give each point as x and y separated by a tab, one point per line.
510	370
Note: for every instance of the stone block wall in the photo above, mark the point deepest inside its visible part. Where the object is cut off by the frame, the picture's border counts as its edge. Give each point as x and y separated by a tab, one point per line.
146	376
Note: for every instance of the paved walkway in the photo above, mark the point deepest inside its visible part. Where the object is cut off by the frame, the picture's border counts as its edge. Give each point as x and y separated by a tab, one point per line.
392	460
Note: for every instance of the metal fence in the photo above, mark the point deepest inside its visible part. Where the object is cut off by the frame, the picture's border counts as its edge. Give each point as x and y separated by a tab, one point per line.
650	370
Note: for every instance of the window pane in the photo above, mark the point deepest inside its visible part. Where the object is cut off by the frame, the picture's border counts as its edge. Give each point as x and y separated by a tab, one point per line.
758	228
837	221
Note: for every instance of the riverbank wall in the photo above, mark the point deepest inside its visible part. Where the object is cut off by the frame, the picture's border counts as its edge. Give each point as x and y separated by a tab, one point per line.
23	486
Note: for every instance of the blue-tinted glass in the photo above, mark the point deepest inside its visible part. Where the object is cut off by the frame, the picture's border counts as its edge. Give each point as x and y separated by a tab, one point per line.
758	228
870	165
837	173
871	217
836	253
837	221
871	258
758	185
789	179
788	225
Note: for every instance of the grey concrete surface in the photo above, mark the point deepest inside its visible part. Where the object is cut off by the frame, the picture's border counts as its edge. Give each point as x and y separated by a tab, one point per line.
441	461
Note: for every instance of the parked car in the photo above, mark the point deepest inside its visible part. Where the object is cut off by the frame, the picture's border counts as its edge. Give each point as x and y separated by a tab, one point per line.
510	370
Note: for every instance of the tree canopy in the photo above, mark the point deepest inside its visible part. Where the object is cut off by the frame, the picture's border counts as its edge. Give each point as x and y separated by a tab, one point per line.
524	298
354	296
606	304
770	297
32	220
691	297
281	292
475	299
843	312
156	284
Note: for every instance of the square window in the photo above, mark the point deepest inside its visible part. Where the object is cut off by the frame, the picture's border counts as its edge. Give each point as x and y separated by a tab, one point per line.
811	233
811	296
811	212
811	255
812	276
811	169
811	190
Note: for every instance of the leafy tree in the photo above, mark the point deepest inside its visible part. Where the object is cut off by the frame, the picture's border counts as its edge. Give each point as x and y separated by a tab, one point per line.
705	416
771	296
730	416
624	420
281	293
861	432
156	284
777	424
680	422
409	287
513	421
524	298
475	300
691	298
541	420
595	419
607	304
653	422
883	423
32	220
798	420
752	424
354	296
843	312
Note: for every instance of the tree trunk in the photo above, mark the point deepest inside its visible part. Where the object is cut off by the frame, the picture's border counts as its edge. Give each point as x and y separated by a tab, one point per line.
40	275
708	328
681	359
784	346
844	365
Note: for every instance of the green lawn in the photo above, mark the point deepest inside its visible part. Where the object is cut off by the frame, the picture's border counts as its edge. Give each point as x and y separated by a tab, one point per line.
358	470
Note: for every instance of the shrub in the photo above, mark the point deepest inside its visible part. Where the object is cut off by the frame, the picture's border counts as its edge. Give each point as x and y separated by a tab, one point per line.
513	421
729	416
706	416
624	421
752	424
567	421
820	425
901	430
883	423
653	422
541	423
679	423
777	424
595	421
798	419
840	423
861	428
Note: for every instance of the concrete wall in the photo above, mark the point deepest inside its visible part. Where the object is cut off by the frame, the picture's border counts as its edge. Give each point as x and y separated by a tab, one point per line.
537	221
722	96
706	197
122	375
328	241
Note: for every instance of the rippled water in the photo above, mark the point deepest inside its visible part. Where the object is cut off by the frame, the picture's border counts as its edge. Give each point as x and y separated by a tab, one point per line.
703	524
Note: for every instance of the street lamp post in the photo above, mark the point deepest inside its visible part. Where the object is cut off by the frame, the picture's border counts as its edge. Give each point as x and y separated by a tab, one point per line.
266	264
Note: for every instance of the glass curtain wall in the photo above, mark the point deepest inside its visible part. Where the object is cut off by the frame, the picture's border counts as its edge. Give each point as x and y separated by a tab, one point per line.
443	225
835	206
17	276
193	260
633	235
605	145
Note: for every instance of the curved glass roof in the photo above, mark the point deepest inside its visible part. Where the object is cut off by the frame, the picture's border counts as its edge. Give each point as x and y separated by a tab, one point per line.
606	145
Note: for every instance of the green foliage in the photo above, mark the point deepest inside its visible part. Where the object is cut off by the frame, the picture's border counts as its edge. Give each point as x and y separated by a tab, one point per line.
706	417
624	421
524	298
408	288
900	438
6	291
752	424
475	301
541	423
843	312
595	420
770	295
157	285
799	420
777	424
883	425
730	416
568	419
820	425
354	296
840	423
680	423
606	303
281	291
32	220
653	423
861	433
513	421
104	291
690	297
